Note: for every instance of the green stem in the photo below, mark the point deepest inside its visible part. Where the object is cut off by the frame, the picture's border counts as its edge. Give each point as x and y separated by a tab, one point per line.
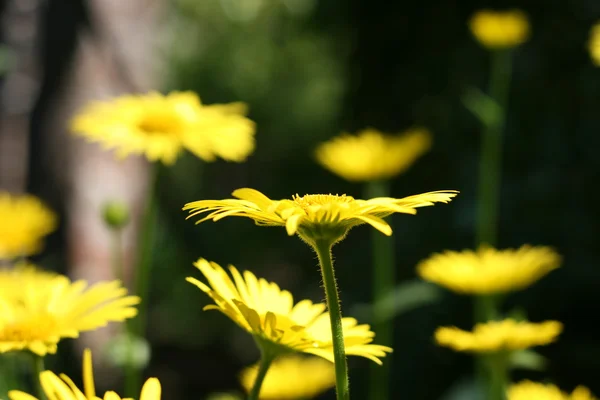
133	375
38	368
498	365
117	254
265	362
490	168
383	283
491	152
323	249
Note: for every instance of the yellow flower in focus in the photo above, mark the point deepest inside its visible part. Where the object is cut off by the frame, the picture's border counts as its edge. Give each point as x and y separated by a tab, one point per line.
499	336
56	388
270	315
527	390
25	220
371	155
315	216
500	30
489	271
40	308
594	44
292	377
162	126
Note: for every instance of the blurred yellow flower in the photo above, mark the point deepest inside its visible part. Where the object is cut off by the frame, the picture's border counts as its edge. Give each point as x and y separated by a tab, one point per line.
25	221
292	377
527	390
487	270
40	308
270	315
315	216
499	336
56	388
162	126
371	155
500	30
594	44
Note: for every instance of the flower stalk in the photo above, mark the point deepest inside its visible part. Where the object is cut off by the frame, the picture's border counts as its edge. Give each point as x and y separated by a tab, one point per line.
133	375
383	283
266	359
38	368
323	249
499	379
490	169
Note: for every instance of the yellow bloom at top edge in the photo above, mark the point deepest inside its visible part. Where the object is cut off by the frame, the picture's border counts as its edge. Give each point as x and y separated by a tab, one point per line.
487	270
25	220
371	155
56	388
500	30
40	308
270	315
161	126
292	377
527	390
594	44
496	336
315	216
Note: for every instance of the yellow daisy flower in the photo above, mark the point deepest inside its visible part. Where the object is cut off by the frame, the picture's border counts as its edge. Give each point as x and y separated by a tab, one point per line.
270	315
487	270
315	216
292	377
499	336
594	44
25	221
371	155
527	390
56	388
38	308
162	126
500	30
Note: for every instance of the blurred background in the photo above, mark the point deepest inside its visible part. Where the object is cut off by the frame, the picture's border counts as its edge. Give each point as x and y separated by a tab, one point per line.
309	70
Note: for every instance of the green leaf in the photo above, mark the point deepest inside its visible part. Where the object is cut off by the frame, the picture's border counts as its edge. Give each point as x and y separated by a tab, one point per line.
483	106
528	359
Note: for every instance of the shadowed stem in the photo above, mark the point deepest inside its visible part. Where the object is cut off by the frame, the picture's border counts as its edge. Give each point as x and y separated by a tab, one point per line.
38	368
383	283
498	366
342	385
266	358
489	186
137	327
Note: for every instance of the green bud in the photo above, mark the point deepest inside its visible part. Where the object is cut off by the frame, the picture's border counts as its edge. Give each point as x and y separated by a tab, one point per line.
115	214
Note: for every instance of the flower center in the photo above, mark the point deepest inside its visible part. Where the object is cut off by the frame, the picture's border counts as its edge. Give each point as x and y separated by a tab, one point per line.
34	327
160	122
309	200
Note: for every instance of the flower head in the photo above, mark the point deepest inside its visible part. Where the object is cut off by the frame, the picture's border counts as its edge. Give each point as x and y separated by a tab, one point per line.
162	126
500	30
496	336
56	388
594	44
315	216
270	315
370	155
489	271
25	221
292	377
527	390
38	308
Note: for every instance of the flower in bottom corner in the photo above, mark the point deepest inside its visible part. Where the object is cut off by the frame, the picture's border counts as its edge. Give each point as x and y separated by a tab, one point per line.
270	315
56	388
292	377
39	308
495	336
527	390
